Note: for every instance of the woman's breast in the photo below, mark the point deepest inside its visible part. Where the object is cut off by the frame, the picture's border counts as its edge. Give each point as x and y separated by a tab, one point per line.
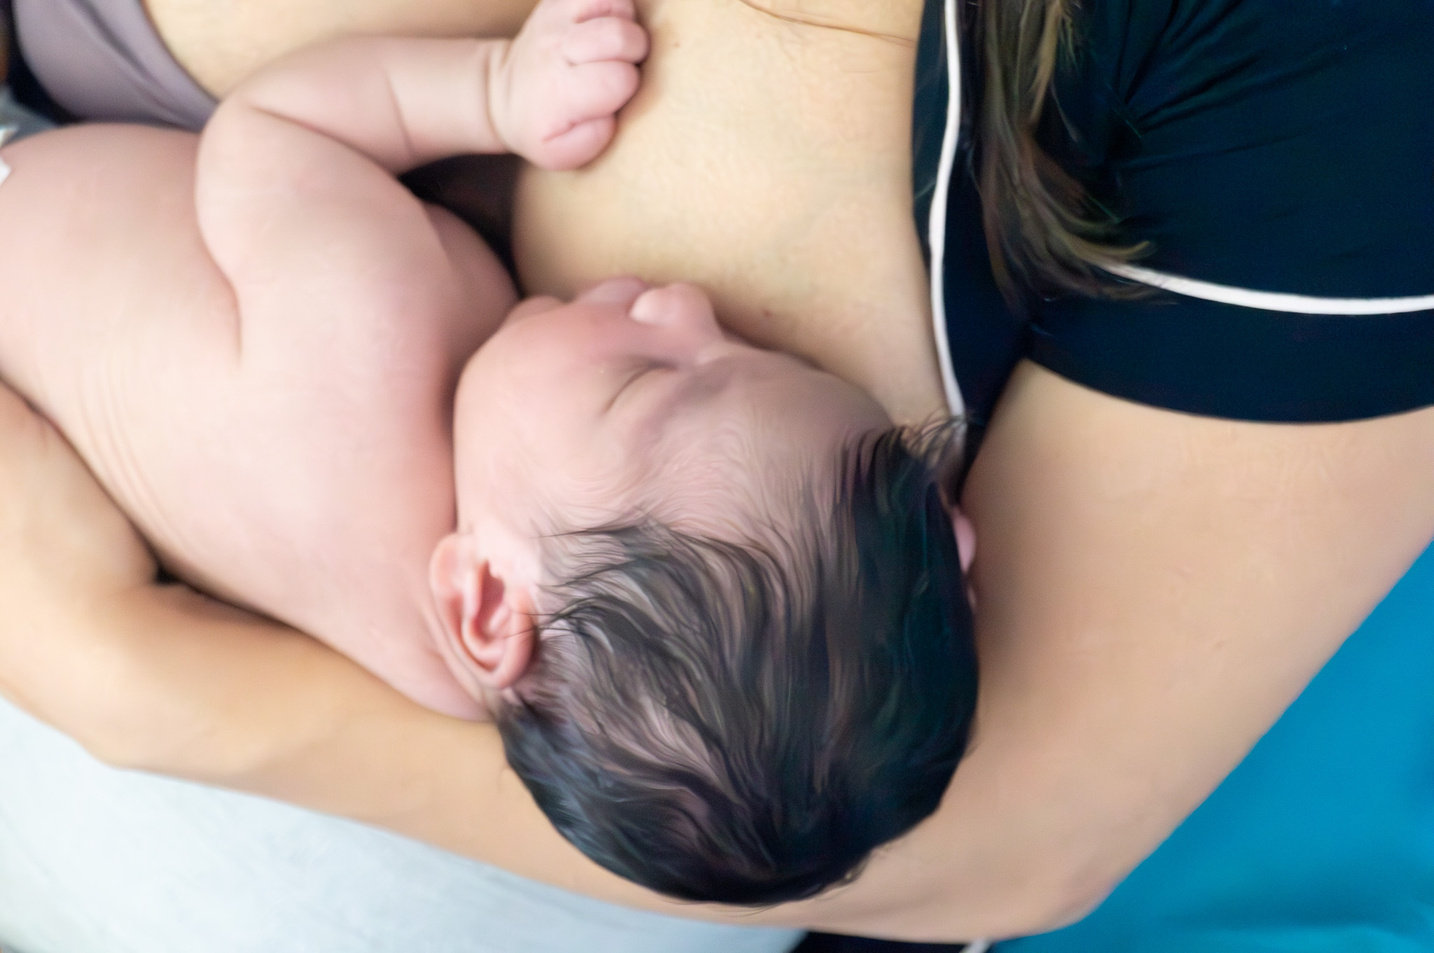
769	161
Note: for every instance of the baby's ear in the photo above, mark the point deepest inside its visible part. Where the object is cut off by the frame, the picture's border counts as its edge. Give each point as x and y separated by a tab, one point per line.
487	622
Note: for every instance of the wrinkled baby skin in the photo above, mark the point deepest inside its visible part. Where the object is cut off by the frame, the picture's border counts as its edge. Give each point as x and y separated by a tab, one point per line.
262	356
258	358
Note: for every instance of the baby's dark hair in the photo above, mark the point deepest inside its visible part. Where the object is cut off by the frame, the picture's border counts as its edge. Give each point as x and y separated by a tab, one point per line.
744	723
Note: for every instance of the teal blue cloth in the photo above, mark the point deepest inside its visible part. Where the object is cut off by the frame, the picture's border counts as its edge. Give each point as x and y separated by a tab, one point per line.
1323	838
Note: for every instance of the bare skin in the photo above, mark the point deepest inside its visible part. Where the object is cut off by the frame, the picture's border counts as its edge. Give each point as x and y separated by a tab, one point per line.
755	197
793	210
1154	589
222	44
261	360
1071	780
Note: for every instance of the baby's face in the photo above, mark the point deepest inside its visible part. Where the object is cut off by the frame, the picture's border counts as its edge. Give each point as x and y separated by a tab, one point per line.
632	400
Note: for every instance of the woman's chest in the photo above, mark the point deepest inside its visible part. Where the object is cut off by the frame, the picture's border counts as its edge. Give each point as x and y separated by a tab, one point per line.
770	161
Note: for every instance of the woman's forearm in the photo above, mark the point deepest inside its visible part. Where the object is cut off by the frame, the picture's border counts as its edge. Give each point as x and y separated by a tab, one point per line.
196	689
1154	590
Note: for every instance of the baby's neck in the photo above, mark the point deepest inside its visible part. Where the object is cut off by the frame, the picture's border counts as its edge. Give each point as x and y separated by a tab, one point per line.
373	605
406	653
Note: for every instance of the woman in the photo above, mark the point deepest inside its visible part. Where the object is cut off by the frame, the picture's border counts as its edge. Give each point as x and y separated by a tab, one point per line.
1155	587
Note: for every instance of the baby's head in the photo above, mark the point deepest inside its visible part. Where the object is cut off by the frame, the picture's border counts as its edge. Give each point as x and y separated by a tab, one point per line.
712	596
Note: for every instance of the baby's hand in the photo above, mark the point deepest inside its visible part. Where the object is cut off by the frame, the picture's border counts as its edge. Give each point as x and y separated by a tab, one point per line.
572	67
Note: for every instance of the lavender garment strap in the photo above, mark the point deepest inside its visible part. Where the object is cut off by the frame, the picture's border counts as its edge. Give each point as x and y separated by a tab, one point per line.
103	59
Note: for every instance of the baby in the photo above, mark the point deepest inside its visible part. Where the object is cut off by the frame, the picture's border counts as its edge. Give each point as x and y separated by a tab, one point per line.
709	593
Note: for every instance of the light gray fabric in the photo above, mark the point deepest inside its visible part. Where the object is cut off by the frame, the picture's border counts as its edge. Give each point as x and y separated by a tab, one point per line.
94	860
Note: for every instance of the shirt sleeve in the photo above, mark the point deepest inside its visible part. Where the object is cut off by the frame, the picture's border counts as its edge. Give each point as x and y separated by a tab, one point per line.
1278	159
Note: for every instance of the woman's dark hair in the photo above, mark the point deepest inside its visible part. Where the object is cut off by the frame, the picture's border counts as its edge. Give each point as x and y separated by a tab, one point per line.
744	723
1043	233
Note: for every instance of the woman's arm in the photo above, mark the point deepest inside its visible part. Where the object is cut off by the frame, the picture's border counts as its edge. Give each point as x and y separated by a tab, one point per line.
156	677
1154	590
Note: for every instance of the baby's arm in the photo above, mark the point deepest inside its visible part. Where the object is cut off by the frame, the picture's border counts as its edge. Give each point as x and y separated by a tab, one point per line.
549	95
296	196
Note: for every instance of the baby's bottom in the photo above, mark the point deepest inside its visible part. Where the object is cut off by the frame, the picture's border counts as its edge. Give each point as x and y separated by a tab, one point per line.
93	859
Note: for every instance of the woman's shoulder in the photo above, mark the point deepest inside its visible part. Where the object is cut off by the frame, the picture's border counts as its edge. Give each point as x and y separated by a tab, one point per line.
1278	132
1267	157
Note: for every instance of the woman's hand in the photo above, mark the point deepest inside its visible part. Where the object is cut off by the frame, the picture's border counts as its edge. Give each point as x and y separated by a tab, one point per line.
66	552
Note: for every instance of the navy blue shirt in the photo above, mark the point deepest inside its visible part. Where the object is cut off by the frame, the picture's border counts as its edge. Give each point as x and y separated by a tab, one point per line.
1275	146
1280	147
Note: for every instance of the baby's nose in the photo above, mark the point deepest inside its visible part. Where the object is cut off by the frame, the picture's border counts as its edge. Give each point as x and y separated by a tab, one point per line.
678	306
623	291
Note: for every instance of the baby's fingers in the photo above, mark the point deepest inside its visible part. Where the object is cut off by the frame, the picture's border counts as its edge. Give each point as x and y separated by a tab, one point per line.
605	38
580	144
581	10
599	89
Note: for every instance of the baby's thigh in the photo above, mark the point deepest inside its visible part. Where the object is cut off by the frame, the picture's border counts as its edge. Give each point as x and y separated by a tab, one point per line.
93	859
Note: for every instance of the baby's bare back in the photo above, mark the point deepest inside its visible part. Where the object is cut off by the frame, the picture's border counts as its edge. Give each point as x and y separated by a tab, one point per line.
254	337
296	459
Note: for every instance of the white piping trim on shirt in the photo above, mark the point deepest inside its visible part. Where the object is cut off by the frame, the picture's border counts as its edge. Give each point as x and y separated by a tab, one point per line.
936	239
1270	300
936	224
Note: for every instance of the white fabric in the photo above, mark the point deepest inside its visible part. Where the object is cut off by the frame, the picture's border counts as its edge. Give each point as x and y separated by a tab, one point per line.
936	239
94	860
